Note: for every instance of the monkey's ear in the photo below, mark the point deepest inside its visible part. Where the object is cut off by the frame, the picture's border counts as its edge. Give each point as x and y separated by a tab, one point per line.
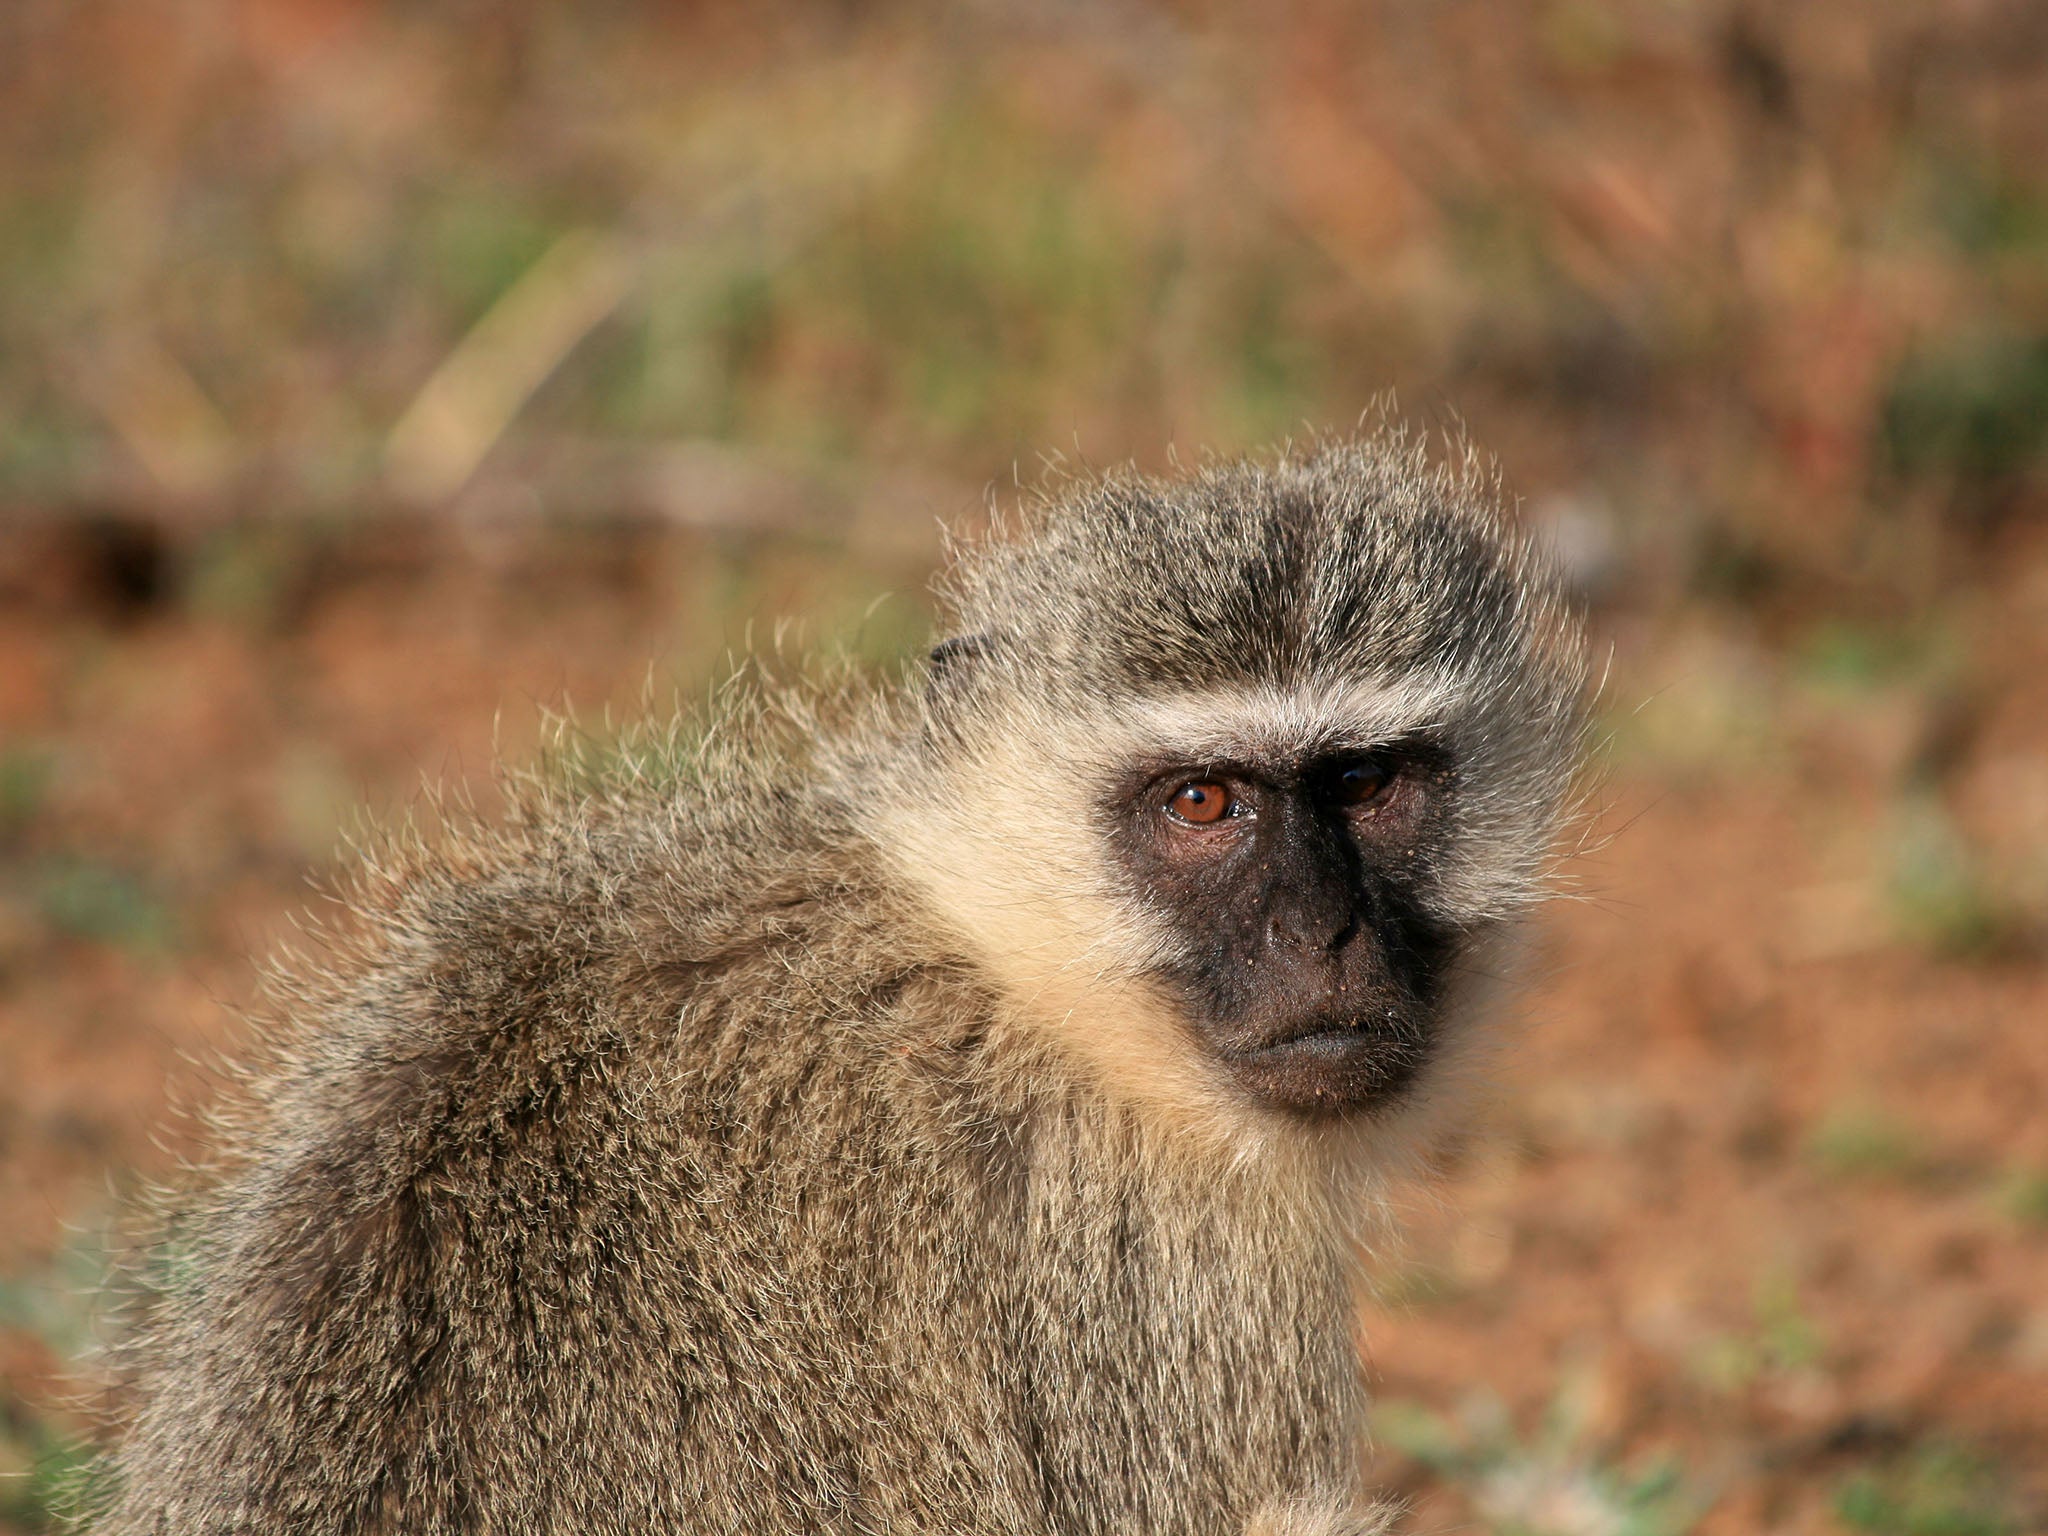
952	659
953	668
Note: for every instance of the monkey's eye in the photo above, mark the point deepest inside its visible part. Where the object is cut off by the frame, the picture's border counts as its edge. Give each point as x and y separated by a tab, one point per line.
1201	802
1357	785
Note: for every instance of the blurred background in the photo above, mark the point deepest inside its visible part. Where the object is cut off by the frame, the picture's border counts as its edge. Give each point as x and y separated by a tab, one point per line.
376	376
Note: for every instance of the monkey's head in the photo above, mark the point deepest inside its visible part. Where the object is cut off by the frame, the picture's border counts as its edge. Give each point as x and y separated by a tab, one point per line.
1237	782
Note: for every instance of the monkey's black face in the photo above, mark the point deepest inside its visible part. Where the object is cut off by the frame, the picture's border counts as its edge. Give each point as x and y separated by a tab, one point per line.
1312	973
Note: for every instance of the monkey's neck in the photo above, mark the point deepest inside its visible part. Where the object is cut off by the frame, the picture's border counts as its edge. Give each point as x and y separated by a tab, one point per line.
1178	1323
1158	1330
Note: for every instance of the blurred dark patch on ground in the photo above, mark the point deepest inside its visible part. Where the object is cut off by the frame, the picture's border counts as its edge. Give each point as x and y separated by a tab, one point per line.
374	377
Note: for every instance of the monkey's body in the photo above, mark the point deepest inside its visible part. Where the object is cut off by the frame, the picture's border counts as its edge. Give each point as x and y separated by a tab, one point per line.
586	1210
693	1158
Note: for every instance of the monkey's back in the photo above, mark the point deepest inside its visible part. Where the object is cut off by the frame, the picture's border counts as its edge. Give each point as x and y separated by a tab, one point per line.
530	1220
640	1168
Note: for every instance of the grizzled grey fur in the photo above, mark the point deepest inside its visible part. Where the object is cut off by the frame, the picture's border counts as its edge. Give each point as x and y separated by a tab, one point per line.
782	1141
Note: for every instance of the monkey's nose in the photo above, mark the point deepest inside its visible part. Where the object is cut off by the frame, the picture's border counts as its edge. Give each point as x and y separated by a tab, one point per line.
1308	920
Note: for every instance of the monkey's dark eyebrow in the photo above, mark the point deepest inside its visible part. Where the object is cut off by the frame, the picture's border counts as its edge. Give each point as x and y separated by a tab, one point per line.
1414	746
1419	747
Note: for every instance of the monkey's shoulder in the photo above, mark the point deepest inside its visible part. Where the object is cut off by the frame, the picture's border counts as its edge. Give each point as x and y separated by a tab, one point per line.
549	1135
610	988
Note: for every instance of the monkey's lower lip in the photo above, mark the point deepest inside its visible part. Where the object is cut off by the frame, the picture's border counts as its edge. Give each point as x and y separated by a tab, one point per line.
1339	1034
1331	1068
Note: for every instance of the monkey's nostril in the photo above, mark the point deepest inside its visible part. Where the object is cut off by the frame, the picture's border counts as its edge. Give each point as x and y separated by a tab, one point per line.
1320	922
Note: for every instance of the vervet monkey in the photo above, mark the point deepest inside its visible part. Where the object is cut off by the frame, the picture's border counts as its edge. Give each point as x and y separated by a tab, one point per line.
945	1105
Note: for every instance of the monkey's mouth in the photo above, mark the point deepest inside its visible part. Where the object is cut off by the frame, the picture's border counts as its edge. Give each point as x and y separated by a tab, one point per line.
1325	1067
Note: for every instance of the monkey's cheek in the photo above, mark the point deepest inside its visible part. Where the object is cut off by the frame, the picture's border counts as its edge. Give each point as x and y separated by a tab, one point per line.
1330	1072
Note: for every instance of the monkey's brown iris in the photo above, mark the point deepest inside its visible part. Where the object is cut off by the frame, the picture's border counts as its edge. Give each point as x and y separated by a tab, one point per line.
1200	803
1361	783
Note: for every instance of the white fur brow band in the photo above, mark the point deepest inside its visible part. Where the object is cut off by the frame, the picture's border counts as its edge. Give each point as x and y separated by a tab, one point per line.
1265	720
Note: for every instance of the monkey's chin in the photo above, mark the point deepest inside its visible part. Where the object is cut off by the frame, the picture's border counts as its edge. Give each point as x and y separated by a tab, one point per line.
1331	1071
